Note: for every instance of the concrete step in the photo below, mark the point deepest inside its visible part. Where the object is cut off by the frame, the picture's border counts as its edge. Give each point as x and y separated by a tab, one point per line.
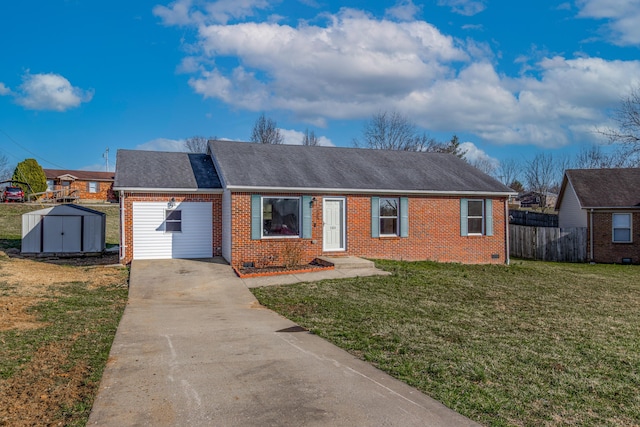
348	262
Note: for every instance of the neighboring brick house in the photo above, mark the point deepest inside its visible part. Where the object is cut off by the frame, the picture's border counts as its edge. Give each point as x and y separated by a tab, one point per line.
265	203
607	203
82	185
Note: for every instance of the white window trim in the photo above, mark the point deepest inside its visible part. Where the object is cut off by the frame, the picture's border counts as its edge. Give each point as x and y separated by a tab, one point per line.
613	228
299	199
484	216
397	217
172	221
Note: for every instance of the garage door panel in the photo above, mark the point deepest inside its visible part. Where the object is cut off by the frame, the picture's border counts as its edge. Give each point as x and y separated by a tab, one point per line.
150	241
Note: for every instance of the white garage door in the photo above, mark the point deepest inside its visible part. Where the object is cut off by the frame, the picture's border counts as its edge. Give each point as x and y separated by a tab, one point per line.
182	232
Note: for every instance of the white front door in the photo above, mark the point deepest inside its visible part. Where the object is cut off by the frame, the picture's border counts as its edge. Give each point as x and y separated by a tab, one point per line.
333	236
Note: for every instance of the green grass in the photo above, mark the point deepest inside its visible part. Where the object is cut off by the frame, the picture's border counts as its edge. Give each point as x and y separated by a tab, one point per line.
11	222
530	344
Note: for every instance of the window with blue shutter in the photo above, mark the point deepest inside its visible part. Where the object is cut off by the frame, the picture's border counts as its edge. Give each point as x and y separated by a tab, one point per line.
476	217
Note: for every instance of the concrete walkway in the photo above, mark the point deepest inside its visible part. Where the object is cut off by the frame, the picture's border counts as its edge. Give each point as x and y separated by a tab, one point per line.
194	348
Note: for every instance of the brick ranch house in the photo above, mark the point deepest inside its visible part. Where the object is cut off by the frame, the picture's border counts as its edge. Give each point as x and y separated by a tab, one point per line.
84	185
259	203
607	203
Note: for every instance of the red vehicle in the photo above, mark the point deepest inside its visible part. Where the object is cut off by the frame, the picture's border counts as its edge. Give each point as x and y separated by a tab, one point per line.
13	194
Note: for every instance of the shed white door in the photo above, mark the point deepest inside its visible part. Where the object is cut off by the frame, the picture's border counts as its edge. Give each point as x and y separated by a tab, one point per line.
333	225
182	232
61	233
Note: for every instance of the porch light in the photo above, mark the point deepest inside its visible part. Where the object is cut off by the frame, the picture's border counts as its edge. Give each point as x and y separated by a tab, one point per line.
172	203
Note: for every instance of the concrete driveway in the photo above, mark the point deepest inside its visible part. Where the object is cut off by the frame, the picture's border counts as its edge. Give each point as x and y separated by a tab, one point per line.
194	348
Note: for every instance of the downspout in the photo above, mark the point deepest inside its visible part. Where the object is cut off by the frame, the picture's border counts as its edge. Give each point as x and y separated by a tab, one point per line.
506	229
591	236
123	244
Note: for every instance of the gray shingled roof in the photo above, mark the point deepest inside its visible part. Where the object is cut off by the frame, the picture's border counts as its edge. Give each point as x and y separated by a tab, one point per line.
137	169
250	165
606	187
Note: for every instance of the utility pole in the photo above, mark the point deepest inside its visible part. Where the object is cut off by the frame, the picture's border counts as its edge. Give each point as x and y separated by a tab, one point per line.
105	156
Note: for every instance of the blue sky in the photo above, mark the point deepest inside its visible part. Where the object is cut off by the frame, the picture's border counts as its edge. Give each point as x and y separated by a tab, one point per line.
510	78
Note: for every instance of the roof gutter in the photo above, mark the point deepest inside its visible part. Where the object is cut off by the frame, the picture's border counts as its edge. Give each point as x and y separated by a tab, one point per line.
246	188
169	190
610	207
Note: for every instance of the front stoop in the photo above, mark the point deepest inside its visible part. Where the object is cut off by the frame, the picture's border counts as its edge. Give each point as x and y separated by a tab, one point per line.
348	262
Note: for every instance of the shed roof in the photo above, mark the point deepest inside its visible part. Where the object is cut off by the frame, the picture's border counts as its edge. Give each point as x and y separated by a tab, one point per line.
158	170
66	209
604	188
248	165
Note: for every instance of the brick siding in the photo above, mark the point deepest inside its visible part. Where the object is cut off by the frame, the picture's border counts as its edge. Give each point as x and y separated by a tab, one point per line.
434	234
604	249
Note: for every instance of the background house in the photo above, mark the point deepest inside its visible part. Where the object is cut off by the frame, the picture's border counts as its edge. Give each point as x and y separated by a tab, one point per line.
607	203
263	203
74	185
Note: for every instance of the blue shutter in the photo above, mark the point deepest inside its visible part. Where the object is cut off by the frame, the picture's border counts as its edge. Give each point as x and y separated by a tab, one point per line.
488	212
464	223
404	217
256	217
375	217
306	217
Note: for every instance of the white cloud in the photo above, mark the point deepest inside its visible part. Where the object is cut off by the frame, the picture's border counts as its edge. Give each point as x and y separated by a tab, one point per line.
50	92
354	65
464	7
294	137
186	12
623	16
4	90
163	144
473	155
403	10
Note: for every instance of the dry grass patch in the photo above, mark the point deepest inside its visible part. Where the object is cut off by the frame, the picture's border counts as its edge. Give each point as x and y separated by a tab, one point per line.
57	323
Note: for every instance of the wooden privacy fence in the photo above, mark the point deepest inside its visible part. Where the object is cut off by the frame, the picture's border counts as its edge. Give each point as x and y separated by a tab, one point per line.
548	243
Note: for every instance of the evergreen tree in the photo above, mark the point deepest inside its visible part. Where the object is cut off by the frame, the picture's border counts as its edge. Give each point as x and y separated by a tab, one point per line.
31	172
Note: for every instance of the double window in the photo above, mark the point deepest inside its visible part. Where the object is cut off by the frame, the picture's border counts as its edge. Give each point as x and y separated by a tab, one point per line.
621	228
389	216
173	221
476	217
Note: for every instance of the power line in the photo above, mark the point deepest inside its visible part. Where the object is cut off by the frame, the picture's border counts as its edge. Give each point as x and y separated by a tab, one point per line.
29	151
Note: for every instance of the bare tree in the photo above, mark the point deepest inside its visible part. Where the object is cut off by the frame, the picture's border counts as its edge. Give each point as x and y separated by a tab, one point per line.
595	157
627	132
310	138
197	144
265	131
393	131
485	165
509	171
5	171
541	176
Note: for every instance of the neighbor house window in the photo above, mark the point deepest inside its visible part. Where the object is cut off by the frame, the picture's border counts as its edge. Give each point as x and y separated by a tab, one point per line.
50	185
622	228
475	217
280	216
93	187
173	221
389	216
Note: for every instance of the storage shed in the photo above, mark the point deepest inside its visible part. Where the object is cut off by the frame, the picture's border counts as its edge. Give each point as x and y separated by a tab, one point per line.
63	229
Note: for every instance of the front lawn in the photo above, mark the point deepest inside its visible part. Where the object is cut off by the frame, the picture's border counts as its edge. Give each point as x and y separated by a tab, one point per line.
530	344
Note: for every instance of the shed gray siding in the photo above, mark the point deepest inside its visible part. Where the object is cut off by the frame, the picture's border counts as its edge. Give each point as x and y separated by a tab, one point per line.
43	231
